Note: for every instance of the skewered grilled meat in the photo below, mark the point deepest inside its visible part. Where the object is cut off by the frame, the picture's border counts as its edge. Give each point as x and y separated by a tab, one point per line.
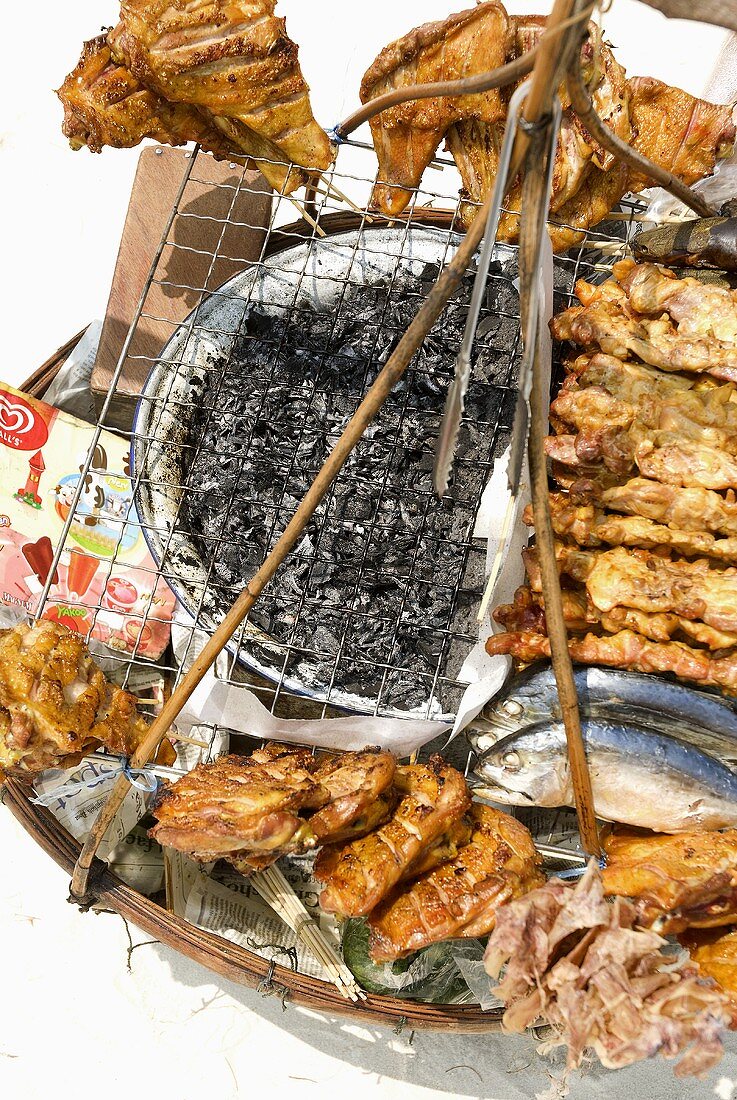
527	613
461	896
104	104
253	810
695	328
679	508
56	705
587	180
359	875
407	136
676	882
627	650
224	74
590	526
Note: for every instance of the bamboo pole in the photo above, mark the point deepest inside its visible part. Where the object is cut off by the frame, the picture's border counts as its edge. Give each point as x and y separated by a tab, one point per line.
545	80
534	211
583	106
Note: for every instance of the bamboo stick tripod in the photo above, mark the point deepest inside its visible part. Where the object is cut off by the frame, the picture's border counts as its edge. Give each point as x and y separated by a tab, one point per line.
555	61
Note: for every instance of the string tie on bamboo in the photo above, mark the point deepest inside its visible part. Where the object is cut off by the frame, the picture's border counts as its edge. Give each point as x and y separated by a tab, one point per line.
140	778
579	872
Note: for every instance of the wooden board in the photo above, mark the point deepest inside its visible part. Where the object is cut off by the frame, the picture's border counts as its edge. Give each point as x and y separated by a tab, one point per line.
185	270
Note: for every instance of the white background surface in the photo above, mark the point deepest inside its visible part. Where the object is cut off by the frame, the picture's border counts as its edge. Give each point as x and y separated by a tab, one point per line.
73	1020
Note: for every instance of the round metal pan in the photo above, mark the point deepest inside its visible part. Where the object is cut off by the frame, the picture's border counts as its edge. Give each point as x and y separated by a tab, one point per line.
310	274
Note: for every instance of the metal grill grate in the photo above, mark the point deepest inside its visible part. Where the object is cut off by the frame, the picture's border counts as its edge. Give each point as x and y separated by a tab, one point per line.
303	651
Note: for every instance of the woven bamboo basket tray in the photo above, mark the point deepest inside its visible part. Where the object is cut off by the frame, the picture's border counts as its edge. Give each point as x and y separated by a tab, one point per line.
235	963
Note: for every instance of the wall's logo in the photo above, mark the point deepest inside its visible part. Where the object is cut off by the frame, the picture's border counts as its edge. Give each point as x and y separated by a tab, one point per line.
20	426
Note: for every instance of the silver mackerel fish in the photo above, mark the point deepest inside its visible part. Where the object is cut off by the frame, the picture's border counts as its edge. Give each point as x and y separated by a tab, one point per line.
639	777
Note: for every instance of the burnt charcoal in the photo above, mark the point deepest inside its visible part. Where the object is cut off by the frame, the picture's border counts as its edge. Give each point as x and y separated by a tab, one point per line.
381	582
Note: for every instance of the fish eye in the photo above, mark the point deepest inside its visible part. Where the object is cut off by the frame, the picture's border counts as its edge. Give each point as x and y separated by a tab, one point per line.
511	760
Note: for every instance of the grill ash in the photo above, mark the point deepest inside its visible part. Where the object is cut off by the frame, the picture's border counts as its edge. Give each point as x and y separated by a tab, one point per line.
378	599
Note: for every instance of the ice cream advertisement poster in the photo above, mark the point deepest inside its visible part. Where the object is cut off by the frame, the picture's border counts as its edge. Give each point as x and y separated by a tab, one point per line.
106	583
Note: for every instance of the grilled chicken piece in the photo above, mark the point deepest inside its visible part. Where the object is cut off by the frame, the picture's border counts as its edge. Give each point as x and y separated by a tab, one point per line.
104	104
356	787
628	650
236	804
679	132
709	415
233	60
676	882
56	705
661	456
461	896
447	846
359	875
253	810
715	954
590	526
475	144
628	379
406	137
527	613
695	330
648	582
677	507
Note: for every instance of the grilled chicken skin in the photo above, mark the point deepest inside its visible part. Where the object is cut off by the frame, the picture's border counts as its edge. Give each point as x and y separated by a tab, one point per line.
357	876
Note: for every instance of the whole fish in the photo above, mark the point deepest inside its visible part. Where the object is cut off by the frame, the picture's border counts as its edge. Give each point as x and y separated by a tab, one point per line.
702	719
701	242
638	777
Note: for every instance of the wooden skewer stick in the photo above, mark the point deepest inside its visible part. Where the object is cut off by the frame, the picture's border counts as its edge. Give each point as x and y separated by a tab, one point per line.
428	313
335	192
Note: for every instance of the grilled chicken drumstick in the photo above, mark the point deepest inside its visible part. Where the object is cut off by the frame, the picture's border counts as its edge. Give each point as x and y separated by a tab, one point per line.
56	705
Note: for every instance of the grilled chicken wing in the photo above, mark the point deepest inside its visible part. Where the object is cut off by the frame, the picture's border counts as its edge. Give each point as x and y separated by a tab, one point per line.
56	705
461	896
406	137
677	882
359	875
104	104
232	59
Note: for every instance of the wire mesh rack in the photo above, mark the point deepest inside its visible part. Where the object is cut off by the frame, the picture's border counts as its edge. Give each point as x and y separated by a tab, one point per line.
377	607
376	610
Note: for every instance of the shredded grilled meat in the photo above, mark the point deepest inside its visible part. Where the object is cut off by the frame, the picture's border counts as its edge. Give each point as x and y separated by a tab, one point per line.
580	963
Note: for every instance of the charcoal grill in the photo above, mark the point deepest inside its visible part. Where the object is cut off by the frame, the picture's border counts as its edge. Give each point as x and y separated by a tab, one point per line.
163	451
